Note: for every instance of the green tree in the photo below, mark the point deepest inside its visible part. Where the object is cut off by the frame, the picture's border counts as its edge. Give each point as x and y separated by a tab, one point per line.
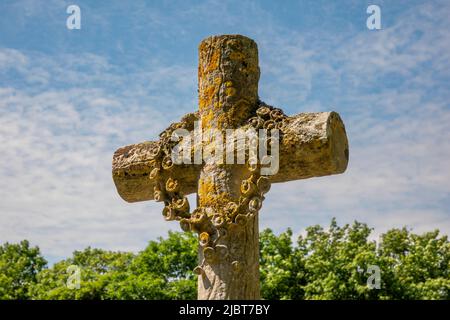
333	263
414	266
329	263
282	273
96	268
19	265
162	271
336	260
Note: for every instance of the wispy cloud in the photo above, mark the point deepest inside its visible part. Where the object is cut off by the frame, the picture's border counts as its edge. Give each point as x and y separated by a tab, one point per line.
57	144
63	114
398	130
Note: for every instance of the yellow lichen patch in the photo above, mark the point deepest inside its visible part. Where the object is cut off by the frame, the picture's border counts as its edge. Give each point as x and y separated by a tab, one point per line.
201	103
210	196
230	92
209	92
206	189
213	62
207	120
207	96
224	120
217	105
203	46
229	89
218	81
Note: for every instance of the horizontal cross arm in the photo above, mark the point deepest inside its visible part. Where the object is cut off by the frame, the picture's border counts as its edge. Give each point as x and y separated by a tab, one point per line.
313	145
131	168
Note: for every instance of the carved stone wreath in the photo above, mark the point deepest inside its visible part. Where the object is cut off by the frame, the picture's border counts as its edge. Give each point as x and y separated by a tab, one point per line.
210	228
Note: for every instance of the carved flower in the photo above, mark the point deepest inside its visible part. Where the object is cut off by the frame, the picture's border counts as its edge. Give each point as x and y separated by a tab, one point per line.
164	134
198	215
218	220
155	151
204	239
263	184
263	111
198	220
158	196
222	232
276	114
254	204
168	213
281	124
269	125
256	122
247	187
167	163
172	185
231	209
181	205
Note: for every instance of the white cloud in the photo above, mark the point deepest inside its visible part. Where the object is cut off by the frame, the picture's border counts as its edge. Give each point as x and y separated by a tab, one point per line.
62	117
399	135
56	183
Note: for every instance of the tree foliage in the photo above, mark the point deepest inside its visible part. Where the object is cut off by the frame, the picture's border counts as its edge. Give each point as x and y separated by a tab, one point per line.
19	266
335	264
162	271
331	263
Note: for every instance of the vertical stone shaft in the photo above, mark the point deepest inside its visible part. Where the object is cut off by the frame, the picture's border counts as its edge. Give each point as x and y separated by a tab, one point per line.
228	77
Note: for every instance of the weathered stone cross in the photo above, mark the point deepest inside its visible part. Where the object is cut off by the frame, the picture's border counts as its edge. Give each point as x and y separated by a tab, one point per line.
229	196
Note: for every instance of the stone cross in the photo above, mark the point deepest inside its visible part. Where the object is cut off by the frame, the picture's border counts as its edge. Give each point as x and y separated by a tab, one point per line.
229	196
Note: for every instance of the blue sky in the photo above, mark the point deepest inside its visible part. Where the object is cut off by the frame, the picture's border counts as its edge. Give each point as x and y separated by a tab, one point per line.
70	98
